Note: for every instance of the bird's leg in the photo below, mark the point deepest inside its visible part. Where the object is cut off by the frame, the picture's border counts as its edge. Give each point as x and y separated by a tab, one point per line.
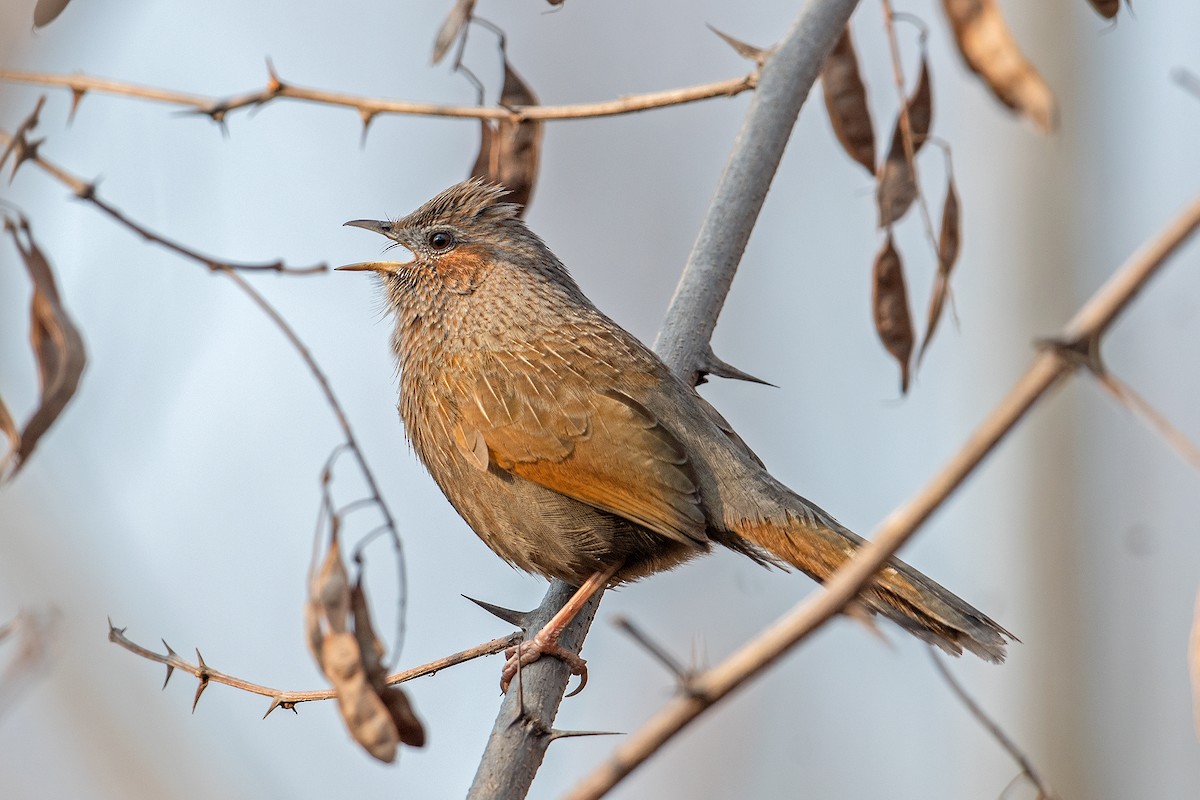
545	641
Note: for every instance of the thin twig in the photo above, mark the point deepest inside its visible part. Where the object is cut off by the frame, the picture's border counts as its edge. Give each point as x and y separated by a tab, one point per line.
1139	406
993	728
787	77
1092	320
87	191
287	699
369	107
658	652
910	148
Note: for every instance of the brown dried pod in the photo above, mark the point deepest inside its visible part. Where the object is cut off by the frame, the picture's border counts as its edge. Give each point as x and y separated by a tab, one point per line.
451	29
1106	8
378	717
57	347
510	152
412	732
46	11
990	50
408	727
896	185
365	715
948	244
846	102
889	301
331	589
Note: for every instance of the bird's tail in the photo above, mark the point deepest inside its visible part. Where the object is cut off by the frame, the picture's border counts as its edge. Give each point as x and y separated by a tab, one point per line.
816	544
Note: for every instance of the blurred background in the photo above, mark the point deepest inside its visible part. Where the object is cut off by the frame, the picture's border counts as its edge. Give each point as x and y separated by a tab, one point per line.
178	494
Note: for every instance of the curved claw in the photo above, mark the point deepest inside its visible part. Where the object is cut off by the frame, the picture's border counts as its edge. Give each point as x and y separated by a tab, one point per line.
525	653
582	681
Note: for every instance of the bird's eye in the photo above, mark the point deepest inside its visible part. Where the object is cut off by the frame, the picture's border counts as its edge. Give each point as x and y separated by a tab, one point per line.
441	240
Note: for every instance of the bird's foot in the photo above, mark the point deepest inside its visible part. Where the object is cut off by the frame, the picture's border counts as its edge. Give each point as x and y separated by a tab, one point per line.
525	653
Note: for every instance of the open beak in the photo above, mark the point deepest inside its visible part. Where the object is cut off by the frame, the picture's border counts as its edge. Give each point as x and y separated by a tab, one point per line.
382	227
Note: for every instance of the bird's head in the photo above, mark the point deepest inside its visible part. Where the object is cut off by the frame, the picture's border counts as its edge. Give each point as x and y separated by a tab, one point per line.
455	238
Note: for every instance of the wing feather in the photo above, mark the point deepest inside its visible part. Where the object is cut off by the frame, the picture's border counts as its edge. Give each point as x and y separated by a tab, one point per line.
584	438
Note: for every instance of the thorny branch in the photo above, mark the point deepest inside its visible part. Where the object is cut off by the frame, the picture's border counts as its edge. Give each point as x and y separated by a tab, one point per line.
288	699
19	142
1082	334
86	191
992	727
370	107
1138	405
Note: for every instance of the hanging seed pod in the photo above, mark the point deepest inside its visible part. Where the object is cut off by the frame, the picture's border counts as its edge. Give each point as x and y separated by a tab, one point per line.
990	50
889	300
896	186
948	243
453	28
846	102
57	348
510	152
1106	8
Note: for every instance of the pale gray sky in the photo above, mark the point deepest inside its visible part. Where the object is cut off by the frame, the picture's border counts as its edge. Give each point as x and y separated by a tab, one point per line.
179	491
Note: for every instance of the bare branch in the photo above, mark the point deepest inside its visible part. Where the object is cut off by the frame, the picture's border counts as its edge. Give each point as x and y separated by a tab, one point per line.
1139	406
19	136
682	674
87	191
281	698
993	728
786	79
369	107
1090	323
524	727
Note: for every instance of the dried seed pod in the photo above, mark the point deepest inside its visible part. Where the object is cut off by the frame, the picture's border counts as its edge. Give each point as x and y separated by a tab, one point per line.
948	244
510	152
57	347
846	102
408	728
378	717
896	185
363	711
990	50
889	301
452	28
331	590
46	11
1106	8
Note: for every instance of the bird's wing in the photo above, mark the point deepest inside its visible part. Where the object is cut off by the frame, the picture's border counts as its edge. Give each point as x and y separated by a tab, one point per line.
539	418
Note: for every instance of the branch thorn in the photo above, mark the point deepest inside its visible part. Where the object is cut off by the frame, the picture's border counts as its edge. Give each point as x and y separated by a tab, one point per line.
711	365
555	734
199	691
518	618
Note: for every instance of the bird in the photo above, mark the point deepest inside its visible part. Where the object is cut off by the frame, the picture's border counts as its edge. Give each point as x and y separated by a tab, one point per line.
573	451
